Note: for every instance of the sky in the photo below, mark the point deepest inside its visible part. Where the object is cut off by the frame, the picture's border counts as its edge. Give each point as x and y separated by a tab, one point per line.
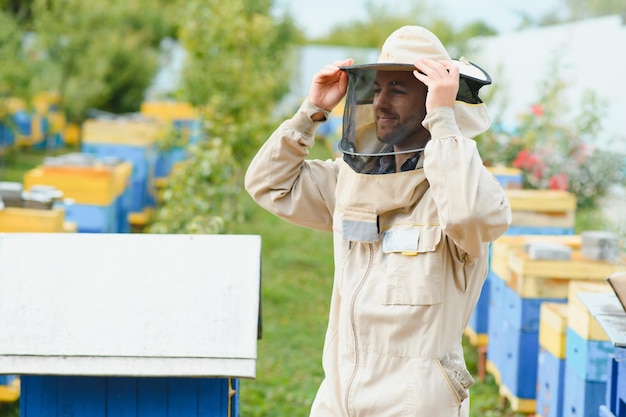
317	17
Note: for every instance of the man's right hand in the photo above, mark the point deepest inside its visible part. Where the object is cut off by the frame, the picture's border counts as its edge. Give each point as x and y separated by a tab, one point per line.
329	85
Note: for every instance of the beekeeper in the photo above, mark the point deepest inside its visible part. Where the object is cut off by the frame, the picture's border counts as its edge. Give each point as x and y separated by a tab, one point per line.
412	210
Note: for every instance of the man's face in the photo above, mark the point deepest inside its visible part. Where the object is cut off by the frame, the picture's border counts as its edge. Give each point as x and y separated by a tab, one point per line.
399	109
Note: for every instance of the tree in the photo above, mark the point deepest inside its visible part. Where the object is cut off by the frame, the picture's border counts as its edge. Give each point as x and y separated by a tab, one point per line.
237	68
382	20
98	54
581	9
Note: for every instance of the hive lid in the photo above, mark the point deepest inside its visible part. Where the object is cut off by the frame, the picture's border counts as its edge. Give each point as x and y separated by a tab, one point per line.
129	304
618	284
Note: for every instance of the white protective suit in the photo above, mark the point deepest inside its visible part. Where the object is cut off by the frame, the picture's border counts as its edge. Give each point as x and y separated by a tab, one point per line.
410	254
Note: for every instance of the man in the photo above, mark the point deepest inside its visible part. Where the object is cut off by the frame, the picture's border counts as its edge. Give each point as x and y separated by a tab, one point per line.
412	210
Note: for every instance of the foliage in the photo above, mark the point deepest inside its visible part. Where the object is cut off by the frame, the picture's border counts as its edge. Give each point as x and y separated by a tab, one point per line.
14	73
581	9
236	71
554	153
98	54
382	20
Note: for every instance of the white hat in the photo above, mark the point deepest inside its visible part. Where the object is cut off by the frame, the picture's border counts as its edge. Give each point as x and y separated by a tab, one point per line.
399	52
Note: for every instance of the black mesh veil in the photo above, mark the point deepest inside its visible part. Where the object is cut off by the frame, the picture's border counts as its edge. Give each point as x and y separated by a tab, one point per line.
359	144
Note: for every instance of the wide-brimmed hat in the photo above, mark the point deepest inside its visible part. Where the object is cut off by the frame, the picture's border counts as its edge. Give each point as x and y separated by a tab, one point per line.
399	52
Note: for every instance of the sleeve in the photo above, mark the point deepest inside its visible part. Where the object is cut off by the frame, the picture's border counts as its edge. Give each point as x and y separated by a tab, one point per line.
473	207
281	179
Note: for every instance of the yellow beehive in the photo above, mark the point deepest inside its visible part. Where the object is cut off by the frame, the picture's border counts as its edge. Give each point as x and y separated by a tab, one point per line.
96	185
577	268
169	110
121	132
25	220
549	208
504	245
545	278
579	318
11	392
553	328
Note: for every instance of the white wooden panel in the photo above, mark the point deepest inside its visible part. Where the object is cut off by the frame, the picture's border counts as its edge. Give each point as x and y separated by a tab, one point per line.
607	310
136	304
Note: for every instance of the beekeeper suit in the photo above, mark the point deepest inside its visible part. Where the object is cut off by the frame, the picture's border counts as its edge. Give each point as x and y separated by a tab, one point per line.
412	210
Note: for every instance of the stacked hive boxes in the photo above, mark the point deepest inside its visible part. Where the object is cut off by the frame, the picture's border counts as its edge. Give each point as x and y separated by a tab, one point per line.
535	212
183	127
524	281
97	190
31	212
551	359
587	356
510	178
132	140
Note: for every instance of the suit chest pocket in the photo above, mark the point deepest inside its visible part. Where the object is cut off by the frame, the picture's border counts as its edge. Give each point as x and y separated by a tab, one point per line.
413	266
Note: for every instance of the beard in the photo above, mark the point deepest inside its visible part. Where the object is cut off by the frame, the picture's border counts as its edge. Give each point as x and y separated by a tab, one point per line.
393	131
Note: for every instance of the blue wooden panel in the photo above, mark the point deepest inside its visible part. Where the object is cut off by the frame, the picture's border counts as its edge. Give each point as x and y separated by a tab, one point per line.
479	320
121	397
152	397
519	370
213	397
588	358
496	341
550	384
91	218
611	385
497	288
538	230
620	355
37	395
510	180
85	396
143	159
167	159
122	209
524	312
183	397
6	379
69	396
581	398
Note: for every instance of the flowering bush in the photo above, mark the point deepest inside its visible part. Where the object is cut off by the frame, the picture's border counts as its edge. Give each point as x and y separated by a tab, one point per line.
556	155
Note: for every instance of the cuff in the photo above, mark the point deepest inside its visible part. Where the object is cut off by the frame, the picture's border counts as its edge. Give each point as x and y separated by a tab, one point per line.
441	123
302	121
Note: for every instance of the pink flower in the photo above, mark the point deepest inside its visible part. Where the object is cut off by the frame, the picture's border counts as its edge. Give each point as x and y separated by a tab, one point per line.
527	160
537	110
558	182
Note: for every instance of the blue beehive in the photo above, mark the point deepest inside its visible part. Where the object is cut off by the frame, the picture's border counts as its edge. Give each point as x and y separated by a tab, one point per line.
514	338
104	346
127	396
581	397
550	384
589	359
132	140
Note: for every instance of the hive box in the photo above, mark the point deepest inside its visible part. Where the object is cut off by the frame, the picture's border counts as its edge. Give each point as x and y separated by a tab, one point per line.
154	318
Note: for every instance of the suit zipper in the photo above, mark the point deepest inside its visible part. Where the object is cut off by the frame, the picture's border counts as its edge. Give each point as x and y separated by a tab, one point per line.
354	329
